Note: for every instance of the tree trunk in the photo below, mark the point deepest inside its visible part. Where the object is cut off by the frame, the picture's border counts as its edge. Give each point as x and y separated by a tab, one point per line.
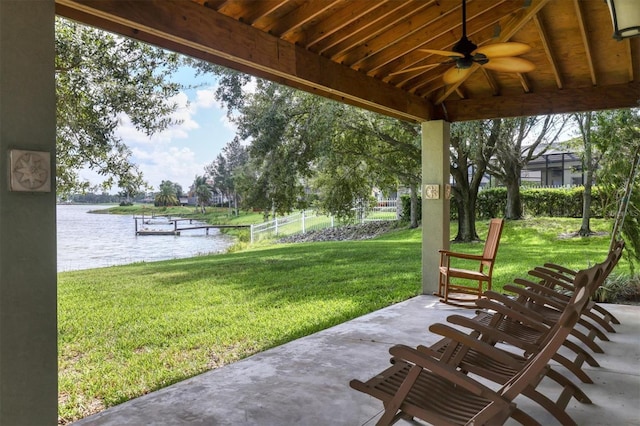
585	226
414	206
585	129
466	217
235	203
514	203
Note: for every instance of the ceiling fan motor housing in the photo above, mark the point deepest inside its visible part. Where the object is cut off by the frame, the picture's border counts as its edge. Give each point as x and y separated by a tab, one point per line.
466	47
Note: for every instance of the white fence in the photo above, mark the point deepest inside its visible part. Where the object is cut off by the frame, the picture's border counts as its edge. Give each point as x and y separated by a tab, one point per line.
306	221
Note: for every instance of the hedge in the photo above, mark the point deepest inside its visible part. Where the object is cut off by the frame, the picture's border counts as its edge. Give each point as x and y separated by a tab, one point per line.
552	202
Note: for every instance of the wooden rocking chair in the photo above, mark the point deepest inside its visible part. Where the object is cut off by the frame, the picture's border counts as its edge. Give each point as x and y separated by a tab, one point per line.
458	294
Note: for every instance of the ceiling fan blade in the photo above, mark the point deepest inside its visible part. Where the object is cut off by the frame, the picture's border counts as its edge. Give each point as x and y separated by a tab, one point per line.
501	50
510	65
455	74
449	53
422	67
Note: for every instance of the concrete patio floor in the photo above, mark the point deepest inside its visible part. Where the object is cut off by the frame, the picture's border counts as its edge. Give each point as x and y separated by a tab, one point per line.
306	382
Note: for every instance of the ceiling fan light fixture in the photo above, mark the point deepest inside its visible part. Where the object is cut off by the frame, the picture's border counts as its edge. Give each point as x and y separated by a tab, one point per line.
625	15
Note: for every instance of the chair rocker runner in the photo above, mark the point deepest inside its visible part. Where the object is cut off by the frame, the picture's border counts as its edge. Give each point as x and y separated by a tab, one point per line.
457	294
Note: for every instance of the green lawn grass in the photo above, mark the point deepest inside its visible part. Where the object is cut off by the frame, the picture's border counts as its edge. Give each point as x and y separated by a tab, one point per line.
126	331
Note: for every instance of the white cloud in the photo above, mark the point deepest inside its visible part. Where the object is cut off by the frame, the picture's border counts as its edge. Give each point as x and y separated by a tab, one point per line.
206	98
183	115
228	124
250	87
176	154
175	164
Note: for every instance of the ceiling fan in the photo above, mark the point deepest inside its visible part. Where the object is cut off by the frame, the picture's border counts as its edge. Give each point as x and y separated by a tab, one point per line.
496	57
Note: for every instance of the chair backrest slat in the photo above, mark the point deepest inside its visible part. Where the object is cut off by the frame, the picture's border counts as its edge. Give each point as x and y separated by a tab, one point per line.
493	240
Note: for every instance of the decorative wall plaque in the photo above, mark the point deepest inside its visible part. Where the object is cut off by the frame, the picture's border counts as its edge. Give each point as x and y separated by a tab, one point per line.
30	171
431	192
447	191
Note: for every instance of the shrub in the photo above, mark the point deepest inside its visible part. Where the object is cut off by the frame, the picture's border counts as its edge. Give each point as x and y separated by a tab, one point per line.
549	202
405	213
492	202
619	288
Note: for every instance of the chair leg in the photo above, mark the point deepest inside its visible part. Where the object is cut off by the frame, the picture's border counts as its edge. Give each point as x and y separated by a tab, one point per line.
570	389
575	369
445	289
581	352
558	412
608	316
590	343
523	418
602	322
440	292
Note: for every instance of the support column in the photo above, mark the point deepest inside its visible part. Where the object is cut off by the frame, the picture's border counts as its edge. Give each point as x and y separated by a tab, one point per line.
435	200
28	329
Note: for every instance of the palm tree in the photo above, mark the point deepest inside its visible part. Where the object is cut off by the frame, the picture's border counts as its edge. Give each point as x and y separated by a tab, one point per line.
202	192
167	195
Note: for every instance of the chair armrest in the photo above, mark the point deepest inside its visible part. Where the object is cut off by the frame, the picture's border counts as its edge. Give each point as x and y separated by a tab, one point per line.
514	314
543	290
514	305
473	342
553	278
537	298
492	334
561	269
443	370
462	255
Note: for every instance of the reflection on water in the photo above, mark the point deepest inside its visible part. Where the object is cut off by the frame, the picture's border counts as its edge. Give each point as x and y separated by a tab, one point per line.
88	240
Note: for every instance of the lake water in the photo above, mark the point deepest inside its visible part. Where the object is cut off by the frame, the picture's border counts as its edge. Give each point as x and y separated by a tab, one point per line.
87	240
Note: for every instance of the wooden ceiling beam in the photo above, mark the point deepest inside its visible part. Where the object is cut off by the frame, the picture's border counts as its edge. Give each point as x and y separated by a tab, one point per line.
495	88
361	30
297	18
349	14
634	58
260	10
547	48
592	98
233	8
189	28
213	4
437	21
402	24
524	82
630	56
585	41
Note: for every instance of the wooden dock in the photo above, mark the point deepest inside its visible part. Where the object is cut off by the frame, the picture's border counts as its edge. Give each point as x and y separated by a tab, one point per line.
156	232
176	228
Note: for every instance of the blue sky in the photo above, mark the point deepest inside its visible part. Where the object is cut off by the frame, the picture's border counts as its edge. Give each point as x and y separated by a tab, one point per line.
179	153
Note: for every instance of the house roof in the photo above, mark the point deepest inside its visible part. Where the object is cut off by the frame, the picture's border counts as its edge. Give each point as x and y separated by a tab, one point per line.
354	50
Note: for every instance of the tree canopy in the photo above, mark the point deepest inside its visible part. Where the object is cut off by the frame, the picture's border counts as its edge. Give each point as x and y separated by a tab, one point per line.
102	79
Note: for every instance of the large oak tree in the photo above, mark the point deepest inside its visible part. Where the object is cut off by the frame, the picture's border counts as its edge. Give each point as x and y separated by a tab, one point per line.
102	78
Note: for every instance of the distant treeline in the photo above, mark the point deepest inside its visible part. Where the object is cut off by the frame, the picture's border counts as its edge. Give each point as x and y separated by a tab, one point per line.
92	198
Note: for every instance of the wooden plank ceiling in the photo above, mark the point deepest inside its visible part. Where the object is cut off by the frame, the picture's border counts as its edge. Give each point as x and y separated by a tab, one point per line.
355	50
